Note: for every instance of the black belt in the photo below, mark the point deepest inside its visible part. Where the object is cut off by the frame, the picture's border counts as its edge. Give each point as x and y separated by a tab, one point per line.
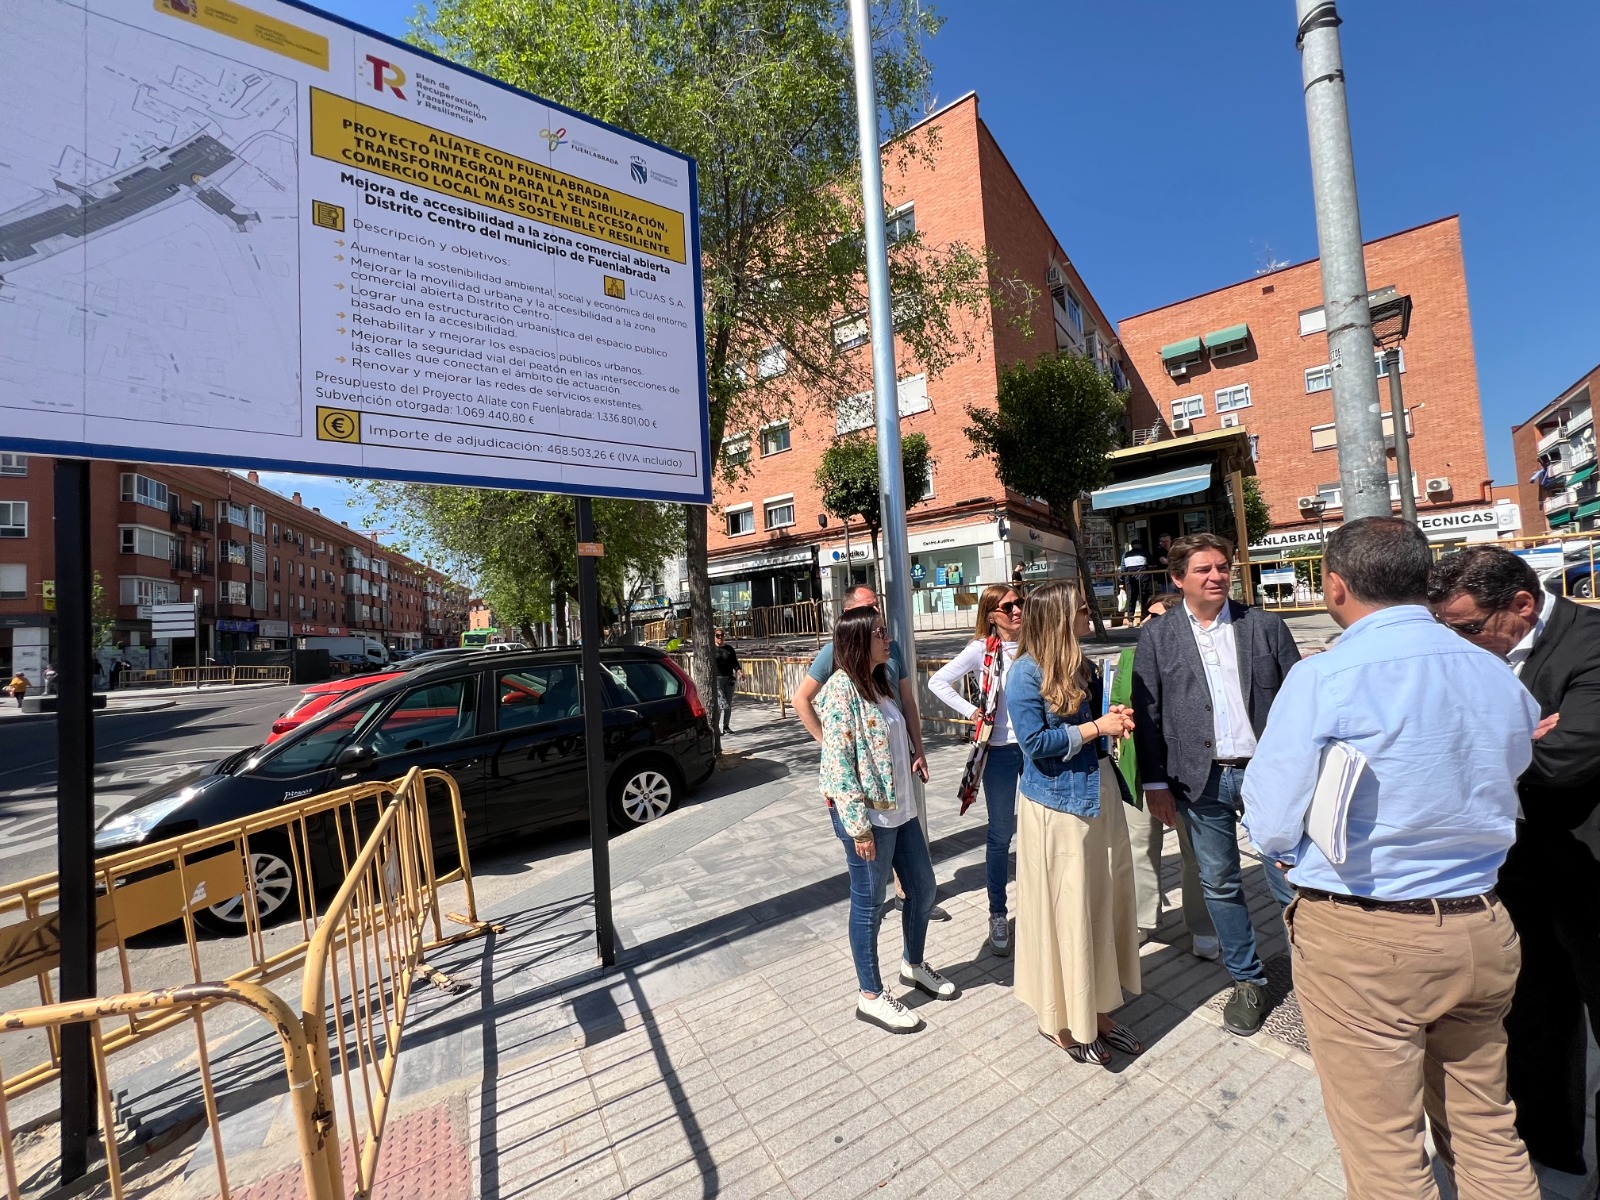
1236	763
1456	904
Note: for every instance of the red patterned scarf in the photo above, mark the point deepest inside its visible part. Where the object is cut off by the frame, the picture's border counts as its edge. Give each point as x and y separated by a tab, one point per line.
988	698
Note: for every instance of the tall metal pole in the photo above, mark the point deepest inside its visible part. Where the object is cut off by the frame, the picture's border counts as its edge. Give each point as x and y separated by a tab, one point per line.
1363	468
1402	446
75	804
895	588
594	729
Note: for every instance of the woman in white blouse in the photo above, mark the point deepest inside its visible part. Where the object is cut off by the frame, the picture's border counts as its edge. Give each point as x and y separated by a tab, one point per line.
989	655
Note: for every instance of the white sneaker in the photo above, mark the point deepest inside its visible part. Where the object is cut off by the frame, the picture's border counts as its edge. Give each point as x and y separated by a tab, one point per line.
1000	936
886	1012
925	977
1208	948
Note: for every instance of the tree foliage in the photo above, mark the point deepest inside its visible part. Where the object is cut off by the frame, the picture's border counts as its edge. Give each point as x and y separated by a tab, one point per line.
1257	513
761	94
103	617
1055	421
521	547
848	478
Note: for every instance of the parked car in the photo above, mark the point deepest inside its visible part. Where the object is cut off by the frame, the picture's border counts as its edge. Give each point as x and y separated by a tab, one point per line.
1575	577
508	727
320	696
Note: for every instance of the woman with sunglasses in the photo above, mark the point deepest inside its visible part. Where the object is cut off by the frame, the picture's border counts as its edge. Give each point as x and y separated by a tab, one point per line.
995	758
868	770
1077	934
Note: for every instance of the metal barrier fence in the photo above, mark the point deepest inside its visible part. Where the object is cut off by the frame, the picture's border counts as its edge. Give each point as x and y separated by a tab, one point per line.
375	837
186	676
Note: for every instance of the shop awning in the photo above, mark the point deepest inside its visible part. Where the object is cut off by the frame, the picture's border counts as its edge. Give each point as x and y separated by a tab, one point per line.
1563	517
1154	487
1233	335
1589	509
1188	348
1580	476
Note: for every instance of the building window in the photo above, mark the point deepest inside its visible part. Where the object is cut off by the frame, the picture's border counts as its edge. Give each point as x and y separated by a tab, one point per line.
773	361
1074	312
1229	399
143	490
137	590
852	331
258	521
229	513
736	450
1313	320
1190	407
741	520
855	412
13	581
900	224
780	512
277	603
13	464
1382	367
13	518
1319	379
860	411
138	540
233	592
235	553
1332	495
927	491
1326	437
775	439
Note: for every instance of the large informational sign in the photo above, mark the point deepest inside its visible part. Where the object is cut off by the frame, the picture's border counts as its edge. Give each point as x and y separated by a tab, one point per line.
251	234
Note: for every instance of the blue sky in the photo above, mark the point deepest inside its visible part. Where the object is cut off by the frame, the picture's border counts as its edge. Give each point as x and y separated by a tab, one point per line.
1165	142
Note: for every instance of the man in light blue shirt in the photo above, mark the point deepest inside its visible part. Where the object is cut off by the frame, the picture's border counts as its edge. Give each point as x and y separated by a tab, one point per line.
1405	961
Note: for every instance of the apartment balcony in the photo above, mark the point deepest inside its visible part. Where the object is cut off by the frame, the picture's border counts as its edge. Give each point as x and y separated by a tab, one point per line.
1561	500
1154	433
1557	433
1580	420
1580	456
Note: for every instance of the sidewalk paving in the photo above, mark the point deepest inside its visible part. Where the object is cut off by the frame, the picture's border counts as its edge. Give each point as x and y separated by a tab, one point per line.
135	700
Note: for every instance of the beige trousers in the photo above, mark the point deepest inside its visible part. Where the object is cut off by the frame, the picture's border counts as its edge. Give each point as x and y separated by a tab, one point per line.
1404	1013
1148	838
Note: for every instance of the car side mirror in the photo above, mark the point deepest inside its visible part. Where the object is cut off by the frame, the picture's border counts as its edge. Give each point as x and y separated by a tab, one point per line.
353	756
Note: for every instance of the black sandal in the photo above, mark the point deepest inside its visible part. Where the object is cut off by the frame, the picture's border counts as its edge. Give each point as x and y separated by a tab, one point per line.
1120	1037
1091	1052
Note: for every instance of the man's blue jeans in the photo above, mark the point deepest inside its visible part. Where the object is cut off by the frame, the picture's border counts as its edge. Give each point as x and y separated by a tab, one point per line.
1001	770
906	851
1213	820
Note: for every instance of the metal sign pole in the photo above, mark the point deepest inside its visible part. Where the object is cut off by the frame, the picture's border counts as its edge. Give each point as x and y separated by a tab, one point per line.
75	804
589	554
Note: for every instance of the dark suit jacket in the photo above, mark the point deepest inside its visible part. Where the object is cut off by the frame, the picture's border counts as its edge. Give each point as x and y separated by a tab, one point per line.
1173	723
1562	787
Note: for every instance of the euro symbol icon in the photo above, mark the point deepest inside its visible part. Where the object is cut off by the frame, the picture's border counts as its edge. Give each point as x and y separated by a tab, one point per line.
338	425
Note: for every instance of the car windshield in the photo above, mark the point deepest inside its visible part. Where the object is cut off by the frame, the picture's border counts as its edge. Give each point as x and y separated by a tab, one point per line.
319	741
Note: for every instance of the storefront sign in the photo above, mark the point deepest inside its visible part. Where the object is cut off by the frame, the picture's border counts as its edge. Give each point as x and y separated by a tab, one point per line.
224	626
1439	527
762	562
272	629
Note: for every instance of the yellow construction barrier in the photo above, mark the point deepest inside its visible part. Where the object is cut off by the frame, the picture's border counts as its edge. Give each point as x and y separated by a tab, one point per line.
185	676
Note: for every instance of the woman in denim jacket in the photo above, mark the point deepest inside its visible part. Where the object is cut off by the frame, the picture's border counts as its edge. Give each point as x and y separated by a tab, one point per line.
1077	931
867	778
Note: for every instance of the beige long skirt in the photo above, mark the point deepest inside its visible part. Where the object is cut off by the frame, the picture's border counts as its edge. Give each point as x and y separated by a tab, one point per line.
1077	925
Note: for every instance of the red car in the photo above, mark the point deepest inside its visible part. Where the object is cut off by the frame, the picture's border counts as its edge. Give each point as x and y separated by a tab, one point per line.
320	696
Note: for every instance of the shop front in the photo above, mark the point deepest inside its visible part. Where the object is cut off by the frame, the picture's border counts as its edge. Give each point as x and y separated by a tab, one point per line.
1041	553
782	579
232	636
271	635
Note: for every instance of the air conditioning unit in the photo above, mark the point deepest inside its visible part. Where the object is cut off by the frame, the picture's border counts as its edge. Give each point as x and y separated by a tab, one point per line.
1055	276
1307	503
1230	420
1178	370
1440	483
1181	424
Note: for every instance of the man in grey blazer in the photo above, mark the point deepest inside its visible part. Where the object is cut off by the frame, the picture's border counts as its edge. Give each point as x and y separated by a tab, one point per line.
1205	676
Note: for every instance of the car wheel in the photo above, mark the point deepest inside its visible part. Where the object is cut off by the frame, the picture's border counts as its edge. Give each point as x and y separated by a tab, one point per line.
277	892
1583	589
643	792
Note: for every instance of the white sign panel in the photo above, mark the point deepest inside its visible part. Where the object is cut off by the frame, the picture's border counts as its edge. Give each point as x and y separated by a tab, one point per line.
253	235
1469	524
172	620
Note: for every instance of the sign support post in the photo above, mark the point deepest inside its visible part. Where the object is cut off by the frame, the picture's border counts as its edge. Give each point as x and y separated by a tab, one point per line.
589	554
75	804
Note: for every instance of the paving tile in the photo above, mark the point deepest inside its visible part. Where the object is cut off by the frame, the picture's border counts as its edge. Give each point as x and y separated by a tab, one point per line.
1032	1152
862	1161
953	1145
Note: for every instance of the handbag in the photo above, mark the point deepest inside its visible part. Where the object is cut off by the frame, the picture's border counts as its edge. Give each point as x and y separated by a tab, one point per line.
983	729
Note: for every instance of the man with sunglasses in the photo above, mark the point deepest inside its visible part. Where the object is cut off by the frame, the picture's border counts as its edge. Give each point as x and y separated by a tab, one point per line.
1550	882
903	681
1204	679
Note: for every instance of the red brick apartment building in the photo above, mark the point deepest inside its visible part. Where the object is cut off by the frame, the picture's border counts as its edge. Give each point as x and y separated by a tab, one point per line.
268	568
1254	355
1556	484
767	546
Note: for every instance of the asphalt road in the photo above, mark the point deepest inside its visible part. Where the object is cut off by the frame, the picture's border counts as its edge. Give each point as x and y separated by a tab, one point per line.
133	751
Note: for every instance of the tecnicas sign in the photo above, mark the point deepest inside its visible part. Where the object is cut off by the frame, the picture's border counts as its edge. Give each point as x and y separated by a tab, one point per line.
1439	526
243	233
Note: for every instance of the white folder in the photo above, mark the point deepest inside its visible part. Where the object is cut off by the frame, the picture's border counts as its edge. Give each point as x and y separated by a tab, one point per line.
1328	818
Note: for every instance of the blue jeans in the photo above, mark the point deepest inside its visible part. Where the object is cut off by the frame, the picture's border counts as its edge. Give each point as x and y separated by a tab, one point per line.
905	850
1213	821
1001	770
725	688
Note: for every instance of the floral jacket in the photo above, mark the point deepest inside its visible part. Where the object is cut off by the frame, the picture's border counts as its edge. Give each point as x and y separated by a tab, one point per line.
857	763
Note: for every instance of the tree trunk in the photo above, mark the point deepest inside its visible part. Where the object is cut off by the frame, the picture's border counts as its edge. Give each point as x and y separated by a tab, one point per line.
877	563
558	614
695	548
1085	578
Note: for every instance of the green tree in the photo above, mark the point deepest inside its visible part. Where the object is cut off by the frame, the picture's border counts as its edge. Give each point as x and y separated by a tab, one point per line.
761	94
103	627
848	479
521	547
1054	422
1257	514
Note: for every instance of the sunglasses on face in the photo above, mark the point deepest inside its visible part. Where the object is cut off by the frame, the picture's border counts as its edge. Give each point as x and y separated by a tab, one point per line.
881	634
1010	607
1465	628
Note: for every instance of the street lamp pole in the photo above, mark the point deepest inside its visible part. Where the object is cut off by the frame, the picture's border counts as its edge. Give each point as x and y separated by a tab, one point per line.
1391	322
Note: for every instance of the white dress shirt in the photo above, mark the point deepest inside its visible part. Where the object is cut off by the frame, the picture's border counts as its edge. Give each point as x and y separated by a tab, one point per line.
970	662
1520	652
1219	653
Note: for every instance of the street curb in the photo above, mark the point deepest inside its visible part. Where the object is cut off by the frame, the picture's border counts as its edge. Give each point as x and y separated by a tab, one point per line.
34	718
